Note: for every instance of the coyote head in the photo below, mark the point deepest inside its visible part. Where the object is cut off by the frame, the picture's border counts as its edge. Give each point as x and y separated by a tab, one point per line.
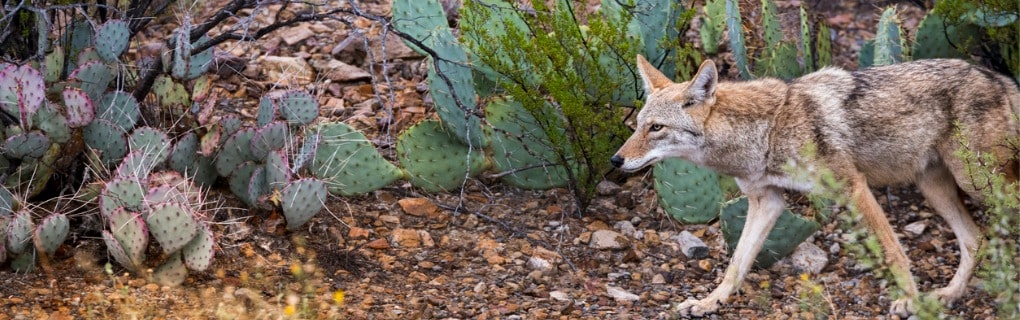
670	123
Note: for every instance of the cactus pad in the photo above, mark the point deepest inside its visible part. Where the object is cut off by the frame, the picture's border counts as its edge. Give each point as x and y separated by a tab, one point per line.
30	144
521	147
184	152
19	232
54	124
235	150
267	111
152	142
107	138
122	192
80	110
51	232
272	137
434	159
305	155
203	171
172	273
348	163
735	30
198	253
112	39
95	77
135	164
240	181
689	193
170	93
54	65
888	43
229	124
257	186
299	107
22	90
277	170
119	108
172	225
301	200
117	252
132	238
7	205
789	231
936	38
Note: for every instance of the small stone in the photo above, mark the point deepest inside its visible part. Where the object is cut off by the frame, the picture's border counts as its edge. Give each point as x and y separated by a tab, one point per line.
834	248
559	295
621	295
152	287
406	238
297	33
809	258
690	245
658	278
418	207
625	227
916	228
705	265
607	188
597	225
379	244
392	219
426	239
607	239
337	70
539	264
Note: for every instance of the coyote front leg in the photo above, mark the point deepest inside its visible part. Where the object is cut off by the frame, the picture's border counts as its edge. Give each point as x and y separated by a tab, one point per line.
764	207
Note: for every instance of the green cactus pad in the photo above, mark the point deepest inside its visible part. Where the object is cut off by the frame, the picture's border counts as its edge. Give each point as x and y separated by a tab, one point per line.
203	171
54	65
95	77
80	110
184	152
434	159
164	194
805	41
301	200
172	225
22	91
76	39
26	145
240	181
151	142
823	46
19	232
115	250
198	253
132	238
236	149
521	148
299	107
229	125
172	273
5	222
789	231
267	111
888	43
272	137
936	38
25	262
277	170
170	93
180	41
120	108
735	29
305	155
51	232
689	193
122	192
257	186
54	124
7	204
712	25
135	164
348	163
87	56
112	39
107	138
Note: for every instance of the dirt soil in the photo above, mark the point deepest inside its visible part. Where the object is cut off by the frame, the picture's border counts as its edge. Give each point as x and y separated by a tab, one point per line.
488	252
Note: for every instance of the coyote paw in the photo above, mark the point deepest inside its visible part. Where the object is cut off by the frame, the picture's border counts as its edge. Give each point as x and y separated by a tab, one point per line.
948	295
697	308
902	307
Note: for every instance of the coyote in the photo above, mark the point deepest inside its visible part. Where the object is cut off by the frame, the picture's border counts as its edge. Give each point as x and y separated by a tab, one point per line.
879	126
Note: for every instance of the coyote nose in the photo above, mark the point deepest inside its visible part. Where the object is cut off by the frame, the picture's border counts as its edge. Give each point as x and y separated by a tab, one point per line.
616	160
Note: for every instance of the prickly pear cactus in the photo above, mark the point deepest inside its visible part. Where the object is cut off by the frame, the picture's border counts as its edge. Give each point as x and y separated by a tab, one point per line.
172	272
184	153
240	181
151	142
434	159
120	108
122	192
19	233
936	38
347	162
236	149
521	149
107	138
712	25
736	33
78	105
198	253
689	193
277	170
267	111
94	77
26	145
305	155
823	46
299	107
128	238
274	136
888	43
790	230
301	200
112	39
21	91
172	225
779	58
51	232
49	120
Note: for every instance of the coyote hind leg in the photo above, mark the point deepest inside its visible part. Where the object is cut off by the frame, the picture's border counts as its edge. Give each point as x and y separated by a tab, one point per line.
939	188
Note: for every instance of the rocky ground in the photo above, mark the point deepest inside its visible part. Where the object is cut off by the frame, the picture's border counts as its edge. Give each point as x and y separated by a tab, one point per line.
489	252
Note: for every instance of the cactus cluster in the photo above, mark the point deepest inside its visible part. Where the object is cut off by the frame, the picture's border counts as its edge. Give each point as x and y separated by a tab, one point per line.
21	236
789	231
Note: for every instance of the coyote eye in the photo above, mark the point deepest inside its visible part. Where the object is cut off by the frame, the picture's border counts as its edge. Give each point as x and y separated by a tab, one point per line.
655	128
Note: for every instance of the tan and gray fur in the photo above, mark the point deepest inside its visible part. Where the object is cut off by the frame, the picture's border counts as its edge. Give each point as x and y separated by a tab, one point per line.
885	125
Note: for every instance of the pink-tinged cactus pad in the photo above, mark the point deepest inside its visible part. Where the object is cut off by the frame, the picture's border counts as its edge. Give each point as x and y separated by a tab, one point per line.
22	90
80	110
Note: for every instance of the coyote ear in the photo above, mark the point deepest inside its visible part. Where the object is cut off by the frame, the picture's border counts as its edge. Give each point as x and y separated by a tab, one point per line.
652	77
703	85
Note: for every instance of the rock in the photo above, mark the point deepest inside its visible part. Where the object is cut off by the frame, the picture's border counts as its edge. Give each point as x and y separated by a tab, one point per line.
690	245
625	227
559	295
297	33
705	265
834	249
607	188
418	206
621	295
395	49
426	239
809	258
337	70
916	228
287	71
379	244
607	239
358	233
406	238
658	278
539	264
